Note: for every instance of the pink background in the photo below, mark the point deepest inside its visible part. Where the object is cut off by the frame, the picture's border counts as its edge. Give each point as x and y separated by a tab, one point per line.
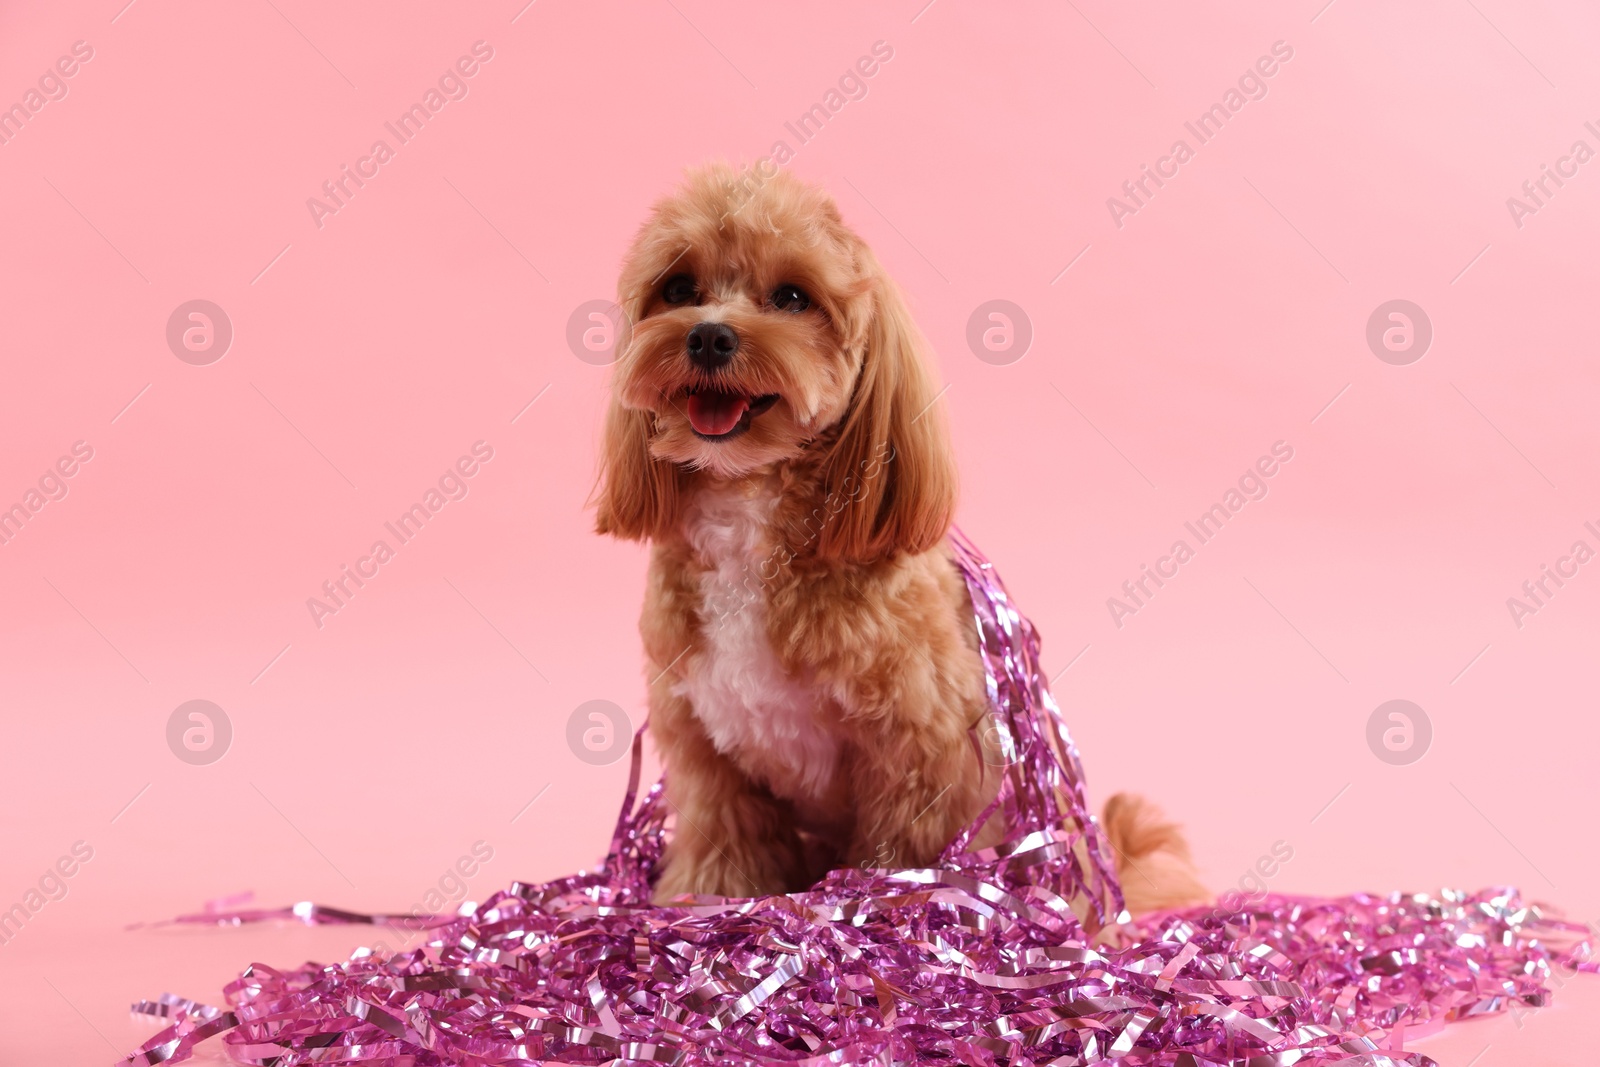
368	354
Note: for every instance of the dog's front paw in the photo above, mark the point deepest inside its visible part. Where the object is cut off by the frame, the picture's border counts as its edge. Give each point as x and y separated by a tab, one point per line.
673	886
714	873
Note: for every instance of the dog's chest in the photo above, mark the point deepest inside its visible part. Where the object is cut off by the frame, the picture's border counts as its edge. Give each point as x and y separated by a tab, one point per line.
753	710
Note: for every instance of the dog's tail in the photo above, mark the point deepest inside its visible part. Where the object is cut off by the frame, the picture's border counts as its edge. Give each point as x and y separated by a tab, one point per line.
1153	860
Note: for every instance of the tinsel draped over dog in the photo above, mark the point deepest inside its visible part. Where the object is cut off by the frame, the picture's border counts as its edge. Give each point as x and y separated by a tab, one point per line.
1016	955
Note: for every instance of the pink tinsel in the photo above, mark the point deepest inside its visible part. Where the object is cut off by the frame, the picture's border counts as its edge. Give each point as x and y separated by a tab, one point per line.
1017	955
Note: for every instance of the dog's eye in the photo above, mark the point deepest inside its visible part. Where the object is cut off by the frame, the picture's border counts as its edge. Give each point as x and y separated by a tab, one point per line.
680	289
790	298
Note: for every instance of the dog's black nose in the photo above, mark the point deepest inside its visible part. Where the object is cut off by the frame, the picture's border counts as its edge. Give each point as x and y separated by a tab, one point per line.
711	345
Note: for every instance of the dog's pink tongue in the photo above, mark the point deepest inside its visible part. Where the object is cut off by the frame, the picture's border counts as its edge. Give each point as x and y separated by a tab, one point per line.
715	414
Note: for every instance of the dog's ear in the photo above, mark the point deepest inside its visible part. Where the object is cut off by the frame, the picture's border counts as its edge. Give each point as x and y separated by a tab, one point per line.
890	481
636	494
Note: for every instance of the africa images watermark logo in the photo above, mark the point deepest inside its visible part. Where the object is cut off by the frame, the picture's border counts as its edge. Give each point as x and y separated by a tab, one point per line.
1399	732
1537	592
850	86
1537	192
452	485
199	732
50	86
1252	85
999	332
599	732
199	332
1399	332
1252	485
452	85
449	889
50	886
52	485
597	332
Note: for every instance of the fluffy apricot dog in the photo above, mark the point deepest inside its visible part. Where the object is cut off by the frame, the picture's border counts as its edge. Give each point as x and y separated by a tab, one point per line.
773	432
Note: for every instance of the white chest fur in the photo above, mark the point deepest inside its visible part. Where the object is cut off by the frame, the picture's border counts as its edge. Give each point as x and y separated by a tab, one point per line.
754	711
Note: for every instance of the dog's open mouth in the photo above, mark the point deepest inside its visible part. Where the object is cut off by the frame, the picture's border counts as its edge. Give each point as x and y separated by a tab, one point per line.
717	414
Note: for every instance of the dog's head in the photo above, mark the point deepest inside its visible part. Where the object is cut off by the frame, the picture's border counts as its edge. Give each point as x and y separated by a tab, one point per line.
763	329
